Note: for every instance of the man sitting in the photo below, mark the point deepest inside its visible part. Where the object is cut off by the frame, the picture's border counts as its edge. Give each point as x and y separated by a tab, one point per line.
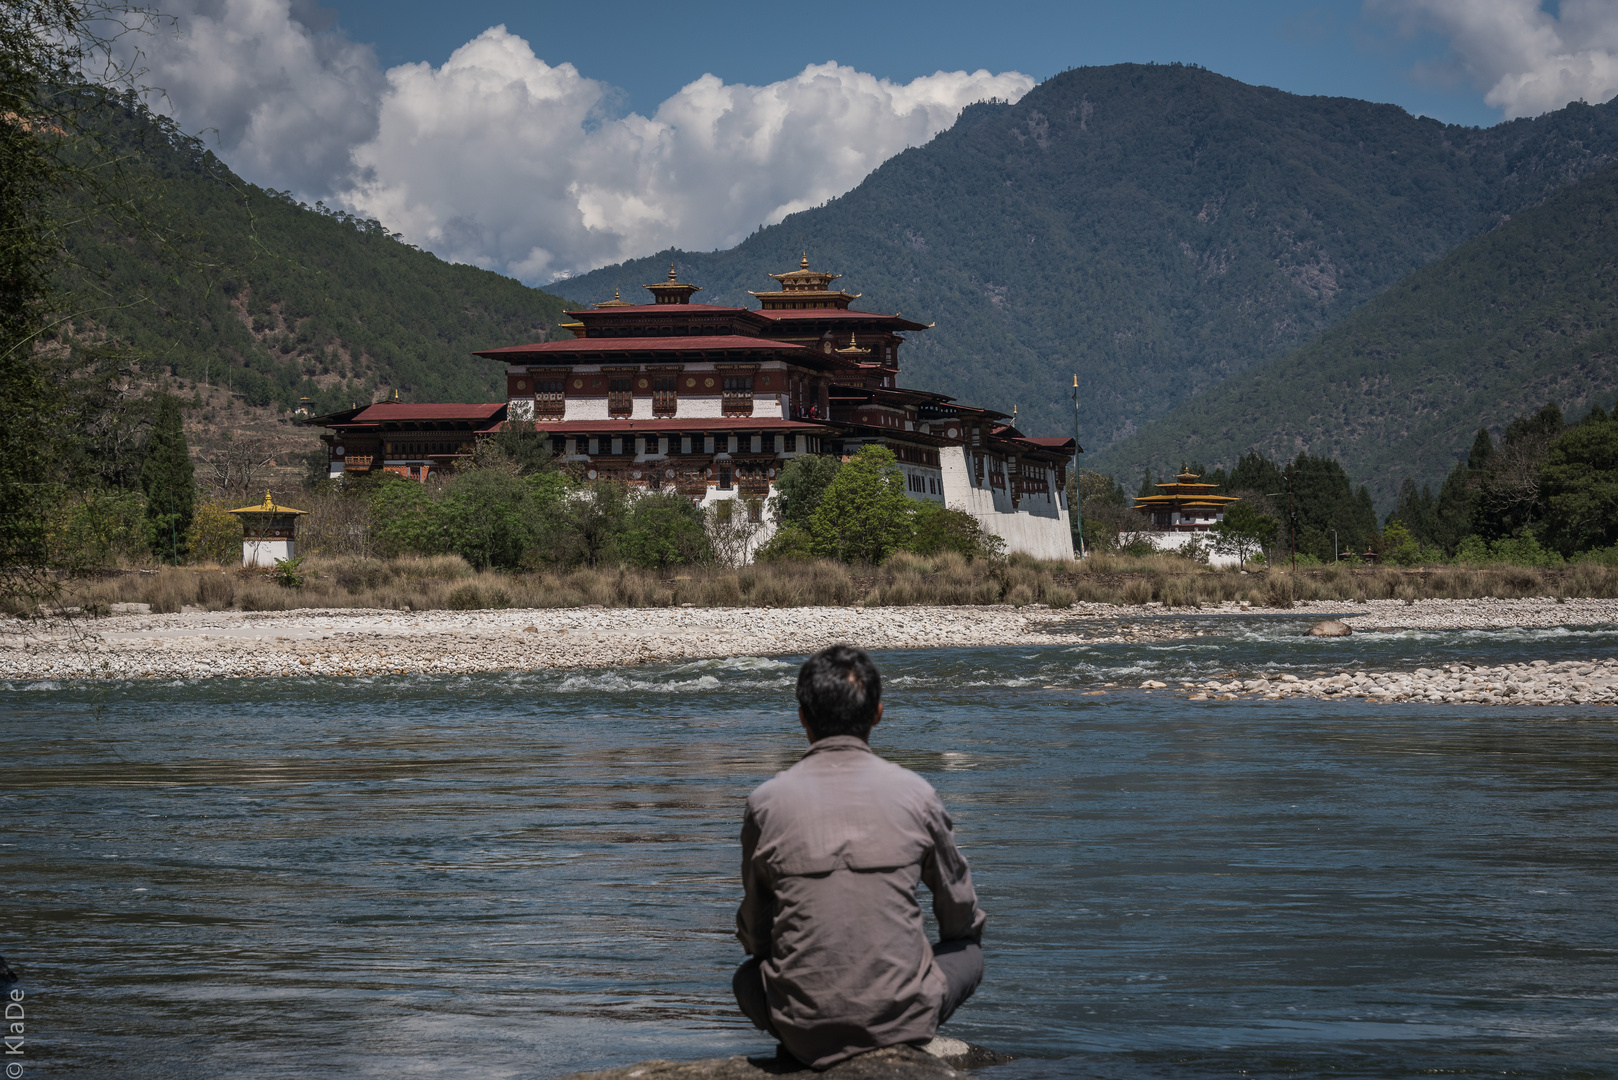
832	849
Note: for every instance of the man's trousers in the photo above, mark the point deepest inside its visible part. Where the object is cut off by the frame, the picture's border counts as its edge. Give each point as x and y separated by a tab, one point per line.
961	962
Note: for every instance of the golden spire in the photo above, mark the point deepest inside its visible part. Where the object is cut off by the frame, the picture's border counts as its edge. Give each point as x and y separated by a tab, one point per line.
269	504
803	264
672	275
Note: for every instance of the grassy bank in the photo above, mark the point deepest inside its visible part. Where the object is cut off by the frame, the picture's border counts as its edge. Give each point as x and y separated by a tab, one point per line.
448	583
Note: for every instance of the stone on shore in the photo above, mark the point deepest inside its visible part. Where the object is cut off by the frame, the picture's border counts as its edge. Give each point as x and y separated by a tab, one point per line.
941	1059
1330	628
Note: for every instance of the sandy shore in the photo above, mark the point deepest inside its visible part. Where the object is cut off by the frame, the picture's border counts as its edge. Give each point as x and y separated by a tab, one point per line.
197	644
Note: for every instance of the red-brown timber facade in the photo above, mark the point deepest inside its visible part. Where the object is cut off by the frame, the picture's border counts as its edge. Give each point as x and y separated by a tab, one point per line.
712	401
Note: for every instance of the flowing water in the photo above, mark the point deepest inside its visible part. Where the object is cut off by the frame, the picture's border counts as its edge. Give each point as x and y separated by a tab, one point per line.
526	875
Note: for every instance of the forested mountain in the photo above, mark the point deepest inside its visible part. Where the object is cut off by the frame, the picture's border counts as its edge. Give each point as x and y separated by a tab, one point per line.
1523	315
229	284
1156	229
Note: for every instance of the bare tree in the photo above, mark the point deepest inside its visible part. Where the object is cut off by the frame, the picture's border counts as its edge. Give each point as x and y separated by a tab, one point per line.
237	468
735	527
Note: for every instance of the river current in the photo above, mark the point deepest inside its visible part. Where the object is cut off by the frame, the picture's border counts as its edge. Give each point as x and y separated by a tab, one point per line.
524	875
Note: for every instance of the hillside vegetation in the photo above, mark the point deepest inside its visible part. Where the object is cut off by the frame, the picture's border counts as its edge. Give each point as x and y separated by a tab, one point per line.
1156	229
241	288
1524	315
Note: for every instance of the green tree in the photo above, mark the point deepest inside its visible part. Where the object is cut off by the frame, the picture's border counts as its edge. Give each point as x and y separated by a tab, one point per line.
800	486
590	524
523	445
1579	482
663	529
491	518
864	514
168	481
1243	532
407	518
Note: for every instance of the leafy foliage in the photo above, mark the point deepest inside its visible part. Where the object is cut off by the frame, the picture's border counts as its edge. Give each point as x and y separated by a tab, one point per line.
665	529
1244	532
864	514
1157	229
935	528
800	486
1579	483
215	535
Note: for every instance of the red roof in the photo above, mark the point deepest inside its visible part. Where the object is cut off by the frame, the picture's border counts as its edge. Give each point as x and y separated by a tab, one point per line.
661	309
682	343
706	423
398	410
839	315
1049	442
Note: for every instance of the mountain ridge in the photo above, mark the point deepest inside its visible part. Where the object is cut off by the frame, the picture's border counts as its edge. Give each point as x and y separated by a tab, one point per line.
1525	314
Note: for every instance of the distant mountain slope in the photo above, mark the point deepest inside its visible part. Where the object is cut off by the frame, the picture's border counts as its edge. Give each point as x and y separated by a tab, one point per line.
1521	316
277	300
1155	229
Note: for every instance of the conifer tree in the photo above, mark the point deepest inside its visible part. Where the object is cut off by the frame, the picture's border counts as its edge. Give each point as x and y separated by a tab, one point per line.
168	482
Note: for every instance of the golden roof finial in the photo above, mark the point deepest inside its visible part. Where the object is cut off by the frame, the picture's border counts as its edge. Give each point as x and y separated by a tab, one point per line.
615	296
851	344
803	264
269	504
396	394
672	275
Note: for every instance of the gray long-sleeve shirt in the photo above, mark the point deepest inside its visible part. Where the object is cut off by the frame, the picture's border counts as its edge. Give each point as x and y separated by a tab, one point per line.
832	849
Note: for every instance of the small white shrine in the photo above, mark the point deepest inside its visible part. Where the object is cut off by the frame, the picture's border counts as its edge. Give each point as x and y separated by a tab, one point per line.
269	532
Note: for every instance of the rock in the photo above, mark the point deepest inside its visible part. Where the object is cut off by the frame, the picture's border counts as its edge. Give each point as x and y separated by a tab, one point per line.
1329	628
938	1061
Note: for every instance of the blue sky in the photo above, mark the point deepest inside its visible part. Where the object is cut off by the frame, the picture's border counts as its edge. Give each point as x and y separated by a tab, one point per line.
1307	48
543	140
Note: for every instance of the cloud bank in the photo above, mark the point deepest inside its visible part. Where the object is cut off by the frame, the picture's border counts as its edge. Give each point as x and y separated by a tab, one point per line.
504	161
1526	60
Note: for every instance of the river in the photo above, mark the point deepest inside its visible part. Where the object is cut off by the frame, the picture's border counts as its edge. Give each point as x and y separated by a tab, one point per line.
525	875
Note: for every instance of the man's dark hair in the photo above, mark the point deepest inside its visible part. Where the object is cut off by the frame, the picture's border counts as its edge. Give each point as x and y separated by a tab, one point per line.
839	690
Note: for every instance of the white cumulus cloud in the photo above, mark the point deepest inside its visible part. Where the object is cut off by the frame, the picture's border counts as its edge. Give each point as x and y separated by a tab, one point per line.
281	98
1526	60
499	159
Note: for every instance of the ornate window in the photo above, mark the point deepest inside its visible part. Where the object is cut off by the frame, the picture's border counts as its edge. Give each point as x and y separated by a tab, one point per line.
738	395
665	398
620	398
548	398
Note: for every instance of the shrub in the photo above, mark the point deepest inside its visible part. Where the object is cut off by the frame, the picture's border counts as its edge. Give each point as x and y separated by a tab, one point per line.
665	529
215	536
789	544
935	529
97	529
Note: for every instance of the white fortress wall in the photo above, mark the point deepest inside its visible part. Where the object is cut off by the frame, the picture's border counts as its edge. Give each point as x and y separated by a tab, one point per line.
1038	528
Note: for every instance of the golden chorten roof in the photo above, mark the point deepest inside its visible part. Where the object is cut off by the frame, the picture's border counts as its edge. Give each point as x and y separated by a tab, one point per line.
804	287
616	301
672	291
268	506
1185	491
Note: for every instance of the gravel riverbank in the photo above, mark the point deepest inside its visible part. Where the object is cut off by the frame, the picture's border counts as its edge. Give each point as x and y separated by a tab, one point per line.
347	642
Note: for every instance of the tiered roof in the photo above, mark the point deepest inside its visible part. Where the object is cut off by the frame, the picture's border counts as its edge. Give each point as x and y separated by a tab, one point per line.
1184	492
